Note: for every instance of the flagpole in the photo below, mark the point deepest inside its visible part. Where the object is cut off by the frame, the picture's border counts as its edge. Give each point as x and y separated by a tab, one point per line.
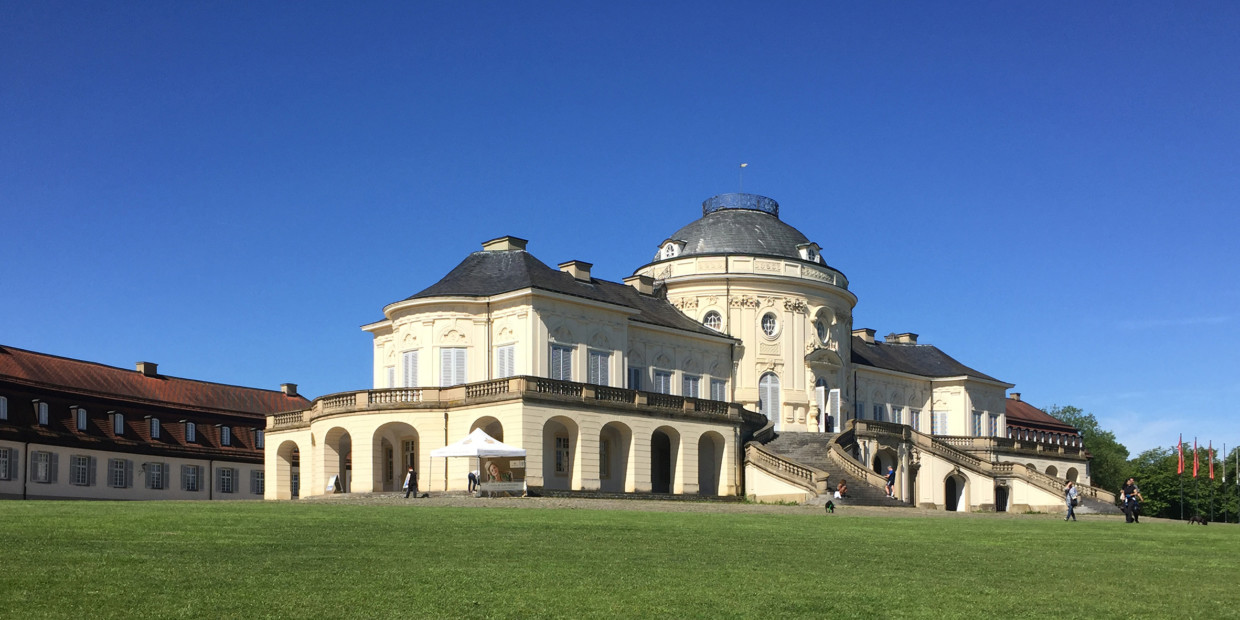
1180	473
1196	489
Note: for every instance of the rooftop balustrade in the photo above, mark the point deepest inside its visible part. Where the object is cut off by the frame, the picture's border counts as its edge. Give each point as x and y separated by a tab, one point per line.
511	388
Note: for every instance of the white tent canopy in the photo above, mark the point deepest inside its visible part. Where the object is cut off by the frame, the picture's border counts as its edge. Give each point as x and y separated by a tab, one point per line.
478	444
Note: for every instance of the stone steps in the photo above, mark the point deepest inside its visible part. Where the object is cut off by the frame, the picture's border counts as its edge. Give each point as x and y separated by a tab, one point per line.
812	449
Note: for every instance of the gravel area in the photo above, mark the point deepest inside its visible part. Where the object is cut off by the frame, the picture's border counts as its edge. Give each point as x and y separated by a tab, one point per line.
641	505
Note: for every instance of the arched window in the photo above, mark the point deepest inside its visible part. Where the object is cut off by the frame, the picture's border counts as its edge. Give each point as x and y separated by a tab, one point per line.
768	397
821	329
713	320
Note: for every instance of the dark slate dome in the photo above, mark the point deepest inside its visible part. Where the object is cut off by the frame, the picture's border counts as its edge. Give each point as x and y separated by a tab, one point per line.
739	224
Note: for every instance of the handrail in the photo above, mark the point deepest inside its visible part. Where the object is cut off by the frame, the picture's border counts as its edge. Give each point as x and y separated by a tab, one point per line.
942	448
811	479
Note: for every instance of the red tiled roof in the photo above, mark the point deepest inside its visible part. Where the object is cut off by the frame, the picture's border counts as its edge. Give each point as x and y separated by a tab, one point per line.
40	369
1020	413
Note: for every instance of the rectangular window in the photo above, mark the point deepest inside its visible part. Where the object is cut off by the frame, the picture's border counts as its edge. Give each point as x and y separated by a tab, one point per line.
118	423
879	410
938	422
561	364
225	476
260	438
604	459
42	408
897	415
994	425
190	474
257	483
561	455
977	424
154	475
915	419
191	432
295	482
391	376
690	386
452	366
120	473
663	382
506	361
635	377
7	460
41	469
81	470
860	410
600	367
409	362
4	407
225	435
154	428
79	416
718	389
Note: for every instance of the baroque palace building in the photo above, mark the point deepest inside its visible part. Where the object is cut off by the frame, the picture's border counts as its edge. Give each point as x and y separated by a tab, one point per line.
728	365
71	429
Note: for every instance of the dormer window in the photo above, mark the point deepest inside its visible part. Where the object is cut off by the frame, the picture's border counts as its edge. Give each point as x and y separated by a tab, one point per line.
671	249
809	252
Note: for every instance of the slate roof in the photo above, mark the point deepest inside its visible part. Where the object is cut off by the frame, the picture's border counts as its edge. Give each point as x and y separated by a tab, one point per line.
739	231
70	375
918	359
1020	413
488	273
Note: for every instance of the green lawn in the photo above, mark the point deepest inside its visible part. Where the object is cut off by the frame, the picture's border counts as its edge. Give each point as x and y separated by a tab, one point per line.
330	560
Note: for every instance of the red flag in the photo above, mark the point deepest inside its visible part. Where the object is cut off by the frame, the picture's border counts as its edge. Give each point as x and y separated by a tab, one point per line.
1180	449
1212	459
1194	457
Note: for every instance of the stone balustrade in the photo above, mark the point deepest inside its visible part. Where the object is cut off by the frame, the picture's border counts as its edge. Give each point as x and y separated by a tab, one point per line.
501	389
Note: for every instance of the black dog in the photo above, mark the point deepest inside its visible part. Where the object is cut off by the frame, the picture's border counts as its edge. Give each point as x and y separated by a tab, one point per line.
1198	519
830	506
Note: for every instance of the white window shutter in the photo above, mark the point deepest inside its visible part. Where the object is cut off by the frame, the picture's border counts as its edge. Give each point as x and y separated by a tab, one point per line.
460	366
411	369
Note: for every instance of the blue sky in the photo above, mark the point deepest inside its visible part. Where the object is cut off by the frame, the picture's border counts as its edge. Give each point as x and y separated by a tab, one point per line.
1046	191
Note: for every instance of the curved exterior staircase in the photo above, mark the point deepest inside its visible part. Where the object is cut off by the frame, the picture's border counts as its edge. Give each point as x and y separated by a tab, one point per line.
812	450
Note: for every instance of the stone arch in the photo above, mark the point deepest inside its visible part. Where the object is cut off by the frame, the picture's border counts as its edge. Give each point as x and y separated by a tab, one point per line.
560	442
1031	467
615	442
1072	474
287	479
664	457
337	457
490	426
1052	471
956	492
390	457
710	463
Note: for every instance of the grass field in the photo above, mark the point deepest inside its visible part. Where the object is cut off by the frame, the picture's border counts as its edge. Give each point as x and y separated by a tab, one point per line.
330	560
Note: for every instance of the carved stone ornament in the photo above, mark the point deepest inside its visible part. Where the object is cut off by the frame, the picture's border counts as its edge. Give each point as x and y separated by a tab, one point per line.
745	301
686	303
796	305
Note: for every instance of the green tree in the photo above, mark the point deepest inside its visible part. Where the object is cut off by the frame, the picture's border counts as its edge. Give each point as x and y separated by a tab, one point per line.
1109	465
1155	471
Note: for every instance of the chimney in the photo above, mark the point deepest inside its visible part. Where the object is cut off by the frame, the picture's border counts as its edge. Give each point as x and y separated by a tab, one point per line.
643	284
1014	396
148	369
579	270
504	244
867	335
289	389
905	338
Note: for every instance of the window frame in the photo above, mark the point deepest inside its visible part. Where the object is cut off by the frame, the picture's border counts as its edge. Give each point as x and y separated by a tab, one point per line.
154	428
191	432
666	385
225	435
598	367
560	362
690	385
79	470
80	418
41	467
409	361
563	455
453	366
118	424
773	330
713	316
718	390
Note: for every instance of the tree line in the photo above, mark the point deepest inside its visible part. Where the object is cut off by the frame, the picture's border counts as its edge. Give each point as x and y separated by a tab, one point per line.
1155	472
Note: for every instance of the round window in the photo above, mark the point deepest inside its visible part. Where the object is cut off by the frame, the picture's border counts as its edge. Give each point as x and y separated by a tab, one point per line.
713	320
769	324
